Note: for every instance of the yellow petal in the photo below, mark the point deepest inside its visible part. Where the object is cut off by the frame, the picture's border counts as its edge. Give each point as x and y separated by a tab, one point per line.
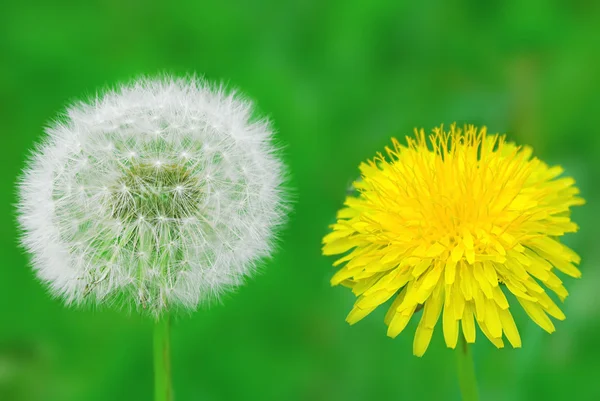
516	269
457	253
393	254
399	322
339	246
343	274
555	284
492	319
374	300
480	304
482	280
468	243
497	341
550	307
537	314
392	310
383	282
513	286
356	253
357	314
567	268
370	270
337	233
510	328
421	267
450	271
433	307
347	213
422	338
450	326
431	279
538	268
363	285
490	273
500	298
435	250
546	245
458	300
465	282
363	260
468	324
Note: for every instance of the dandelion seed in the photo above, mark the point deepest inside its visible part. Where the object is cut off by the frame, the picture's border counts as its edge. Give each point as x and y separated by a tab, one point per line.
118	204
452	225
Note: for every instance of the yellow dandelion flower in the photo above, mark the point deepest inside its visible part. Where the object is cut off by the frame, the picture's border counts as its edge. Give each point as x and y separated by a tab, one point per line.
452	225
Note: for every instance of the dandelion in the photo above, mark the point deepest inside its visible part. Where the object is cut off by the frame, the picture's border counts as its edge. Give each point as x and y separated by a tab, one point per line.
453	225
159	195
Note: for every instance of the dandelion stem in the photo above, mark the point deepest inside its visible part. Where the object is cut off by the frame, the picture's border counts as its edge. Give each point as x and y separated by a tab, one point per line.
162	360
466	372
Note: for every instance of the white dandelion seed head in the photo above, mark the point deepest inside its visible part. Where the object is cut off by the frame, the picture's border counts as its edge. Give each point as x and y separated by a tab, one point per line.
161	194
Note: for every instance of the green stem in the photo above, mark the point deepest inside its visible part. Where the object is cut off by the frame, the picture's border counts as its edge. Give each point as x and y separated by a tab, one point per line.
162	360
466	372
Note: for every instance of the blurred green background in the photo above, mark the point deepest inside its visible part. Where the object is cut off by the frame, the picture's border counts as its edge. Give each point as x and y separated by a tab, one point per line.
338	79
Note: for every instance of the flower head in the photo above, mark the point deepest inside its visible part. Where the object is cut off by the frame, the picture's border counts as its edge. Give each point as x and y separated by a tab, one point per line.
451	226
160	194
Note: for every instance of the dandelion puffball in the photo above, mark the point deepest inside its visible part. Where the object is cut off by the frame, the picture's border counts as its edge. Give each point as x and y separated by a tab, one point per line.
161	194
451	225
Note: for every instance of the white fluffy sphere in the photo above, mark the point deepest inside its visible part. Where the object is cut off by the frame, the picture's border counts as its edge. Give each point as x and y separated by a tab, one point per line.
161	194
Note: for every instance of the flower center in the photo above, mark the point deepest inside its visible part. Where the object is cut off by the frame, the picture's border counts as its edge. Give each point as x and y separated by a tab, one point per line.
156	191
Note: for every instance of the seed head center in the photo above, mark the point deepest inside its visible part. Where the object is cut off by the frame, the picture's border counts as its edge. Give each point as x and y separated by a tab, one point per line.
156	192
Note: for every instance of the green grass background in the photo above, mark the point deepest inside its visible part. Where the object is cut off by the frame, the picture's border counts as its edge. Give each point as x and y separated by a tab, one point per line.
338	78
